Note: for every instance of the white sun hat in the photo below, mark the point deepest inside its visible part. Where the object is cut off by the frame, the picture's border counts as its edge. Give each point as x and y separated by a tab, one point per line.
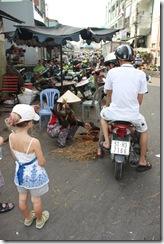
69	97
26	112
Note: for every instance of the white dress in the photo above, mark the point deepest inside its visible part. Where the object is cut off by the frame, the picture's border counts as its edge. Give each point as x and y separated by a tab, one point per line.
28	173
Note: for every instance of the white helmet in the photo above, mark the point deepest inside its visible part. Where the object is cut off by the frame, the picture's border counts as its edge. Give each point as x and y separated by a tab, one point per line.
111	57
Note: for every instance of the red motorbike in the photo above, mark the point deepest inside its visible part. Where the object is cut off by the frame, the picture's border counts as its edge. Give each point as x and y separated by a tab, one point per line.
124	146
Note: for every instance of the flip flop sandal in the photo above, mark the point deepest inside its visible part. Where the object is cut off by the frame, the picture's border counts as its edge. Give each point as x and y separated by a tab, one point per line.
142	168
28	222
6	207
44	218
60	145
101	144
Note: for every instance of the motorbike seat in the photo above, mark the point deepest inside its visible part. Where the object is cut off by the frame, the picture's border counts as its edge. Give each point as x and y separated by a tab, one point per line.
121	124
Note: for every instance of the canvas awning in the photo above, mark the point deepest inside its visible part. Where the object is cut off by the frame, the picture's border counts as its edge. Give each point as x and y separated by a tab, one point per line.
58	35
98	34
45	36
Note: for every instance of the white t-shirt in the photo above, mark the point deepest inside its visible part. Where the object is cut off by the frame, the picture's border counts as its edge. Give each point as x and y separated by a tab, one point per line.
126	83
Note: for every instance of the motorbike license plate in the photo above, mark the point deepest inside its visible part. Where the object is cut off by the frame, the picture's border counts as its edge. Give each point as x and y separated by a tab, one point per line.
87	93
120	147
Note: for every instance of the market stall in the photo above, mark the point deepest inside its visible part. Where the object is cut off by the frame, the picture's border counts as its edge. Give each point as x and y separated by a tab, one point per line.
41	36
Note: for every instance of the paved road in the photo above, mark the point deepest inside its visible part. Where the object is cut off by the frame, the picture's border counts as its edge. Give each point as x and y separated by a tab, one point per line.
85	201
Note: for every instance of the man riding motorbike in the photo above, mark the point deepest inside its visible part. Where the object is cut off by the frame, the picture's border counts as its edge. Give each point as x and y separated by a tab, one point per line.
125	87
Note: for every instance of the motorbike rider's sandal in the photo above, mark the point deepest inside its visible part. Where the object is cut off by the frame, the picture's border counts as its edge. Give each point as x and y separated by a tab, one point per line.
142	168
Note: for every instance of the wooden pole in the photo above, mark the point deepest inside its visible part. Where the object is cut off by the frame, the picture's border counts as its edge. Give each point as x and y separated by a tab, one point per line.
61	67
136	27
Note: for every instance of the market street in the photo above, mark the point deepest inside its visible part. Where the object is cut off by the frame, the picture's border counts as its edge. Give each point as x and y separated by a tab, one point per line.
85	201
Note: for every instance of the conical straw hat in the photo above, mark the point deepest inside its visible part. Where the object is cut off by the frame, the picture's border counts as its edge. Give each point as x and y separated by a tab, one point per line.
68	97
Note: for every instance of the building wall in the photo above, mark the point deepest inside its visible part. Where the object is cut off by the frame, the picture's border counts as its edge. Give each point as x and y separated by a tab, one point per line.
36	2
39	10
118	14
40	4
141	18
115	13
155	33
134	16
20	10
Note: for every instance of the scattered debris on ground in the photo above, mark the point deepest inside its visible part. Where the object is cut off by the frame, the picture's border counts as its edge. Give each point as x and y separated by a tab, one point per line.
84	147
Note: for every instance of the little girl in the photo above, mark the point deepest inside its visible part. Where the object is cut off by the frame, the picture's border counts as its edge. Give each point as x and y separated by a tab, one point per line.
30	175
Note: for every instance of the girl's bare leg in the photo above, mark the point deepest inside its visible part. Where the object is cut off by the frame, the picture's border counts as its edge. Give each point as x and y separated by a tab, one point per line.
37	206
23	205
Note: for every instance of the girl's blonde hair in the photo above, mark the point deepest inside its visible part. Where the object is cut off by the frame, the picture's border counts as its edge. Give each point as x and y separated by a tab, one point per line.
13	120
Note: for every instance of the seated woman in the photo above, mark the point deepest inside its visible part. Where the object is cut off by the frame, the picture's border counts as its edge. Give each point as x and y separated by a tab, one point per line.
63	123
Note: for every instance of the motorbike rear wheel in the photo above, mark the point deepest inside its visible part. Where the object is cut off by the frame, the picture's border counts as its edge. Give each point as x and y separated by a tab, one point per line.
118	171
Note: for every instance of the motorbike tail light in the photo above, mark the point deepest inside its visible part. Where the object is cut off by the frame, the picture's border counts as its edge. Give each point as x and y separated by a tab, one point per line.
121	132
